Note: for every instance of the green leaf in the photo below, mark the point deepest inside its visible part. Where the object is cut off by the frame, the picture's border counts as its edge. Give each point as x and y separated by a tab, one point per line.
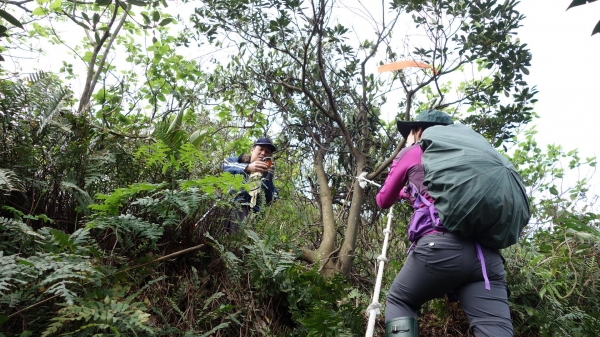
11	19
155	16
137	3
40	30
165	22
25	262
197	137
56	5
82	25
176	122
545	248
3	319
596	29
87	57
553	190
576	3
39	11
60	236
103	3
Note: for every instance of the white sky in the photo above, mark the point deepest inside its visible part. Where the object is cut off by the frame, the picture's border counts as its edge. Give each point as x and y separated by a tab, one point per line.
566	70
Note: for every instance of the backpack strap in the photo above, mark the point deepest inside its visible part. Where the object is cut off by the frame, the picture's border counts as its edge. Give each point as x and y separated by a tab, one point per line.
483	269
436	223
421	200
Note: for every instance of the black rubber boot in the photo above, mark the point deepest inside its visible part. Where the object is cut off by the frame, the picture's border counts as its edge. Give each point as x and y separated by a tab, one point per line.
402	327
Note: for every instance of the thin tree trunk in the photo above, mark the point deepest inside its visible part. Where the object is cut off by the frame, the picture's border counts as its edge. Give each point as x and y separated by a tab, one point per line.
324	253
346	256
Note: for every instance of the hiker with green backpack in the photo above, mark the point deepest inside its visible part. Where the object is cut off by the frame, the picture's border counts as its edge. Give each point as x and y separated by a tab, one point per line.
469	202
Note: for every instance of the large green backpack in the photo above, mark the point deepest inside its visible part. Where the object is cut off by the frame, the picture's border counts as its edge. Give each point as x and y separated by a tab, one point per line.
477	191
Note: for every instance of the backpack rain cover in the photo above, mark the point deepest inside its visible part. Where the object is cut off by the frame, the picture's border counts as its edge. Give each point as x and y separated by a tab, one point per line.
477	191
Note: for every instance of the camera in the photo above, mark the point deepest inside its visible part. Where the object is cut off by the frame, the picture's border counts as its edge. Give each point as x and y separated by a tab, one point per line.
269	161
268	175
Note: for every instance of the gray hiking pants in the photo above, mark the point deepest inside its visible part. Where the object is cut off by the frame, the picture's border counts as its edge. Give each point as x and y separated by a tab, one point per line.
443	262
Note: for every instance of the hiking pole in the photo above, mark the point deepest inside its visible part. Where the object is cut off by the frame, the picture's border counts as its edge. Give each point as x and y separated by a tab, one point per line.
375	307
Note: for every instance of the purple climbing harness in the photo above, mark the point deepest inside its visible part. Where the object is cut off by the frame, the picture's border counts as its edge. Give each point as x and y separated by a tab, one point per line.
426	220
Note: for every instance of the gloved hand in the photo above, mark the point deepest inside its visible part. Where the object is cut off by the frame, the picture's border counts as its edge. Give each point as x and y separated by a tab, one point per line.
404	194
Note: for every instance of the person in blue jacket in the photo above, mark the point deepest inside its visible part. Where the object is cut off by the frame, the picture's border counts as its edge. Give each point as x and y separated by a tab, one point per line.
257	169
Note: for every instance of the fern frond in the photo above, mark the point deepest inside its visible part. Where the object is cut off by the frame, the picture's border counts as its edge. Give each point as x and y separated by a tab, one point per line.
211	298
37	77
17	236
82	197
9	180
215	329
13	272
52	106
127	228
94	314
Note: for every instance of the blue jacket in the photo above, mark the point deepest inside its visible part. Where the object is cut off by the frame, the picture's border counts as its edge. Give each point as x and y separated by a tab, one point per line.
234	165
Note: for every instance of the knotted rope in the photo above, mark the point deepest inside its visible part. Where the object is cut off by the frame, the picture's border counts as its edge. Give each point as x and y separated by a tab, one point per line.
375	307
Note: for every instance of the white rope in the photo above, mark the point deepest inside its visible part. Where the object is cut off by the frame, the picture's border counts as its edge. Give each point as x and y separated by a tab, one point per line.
363	181
374	308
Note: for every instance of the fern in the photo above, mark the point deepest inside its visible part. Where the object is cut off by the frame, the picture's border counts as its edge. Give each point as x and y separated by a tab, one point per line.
215	329
128	228
15	235
191	157
211	298
13	273
156	154
82	197
212	184
58	265
42	97
113	202
102	311
269	266
9	181
230	259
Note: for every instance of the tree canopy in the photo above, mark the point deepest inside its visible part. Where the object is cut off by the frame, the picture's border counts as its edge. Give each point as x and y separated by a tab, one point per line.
110	164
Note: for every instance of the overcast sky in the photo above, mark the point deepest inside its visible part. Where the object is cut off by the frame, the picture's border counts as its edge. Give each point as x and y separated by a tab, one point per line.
566	70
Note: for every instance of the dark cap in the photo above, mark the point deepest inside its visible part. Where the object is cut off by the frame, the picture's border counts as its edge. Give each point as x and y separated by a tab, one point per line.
425	119
265	142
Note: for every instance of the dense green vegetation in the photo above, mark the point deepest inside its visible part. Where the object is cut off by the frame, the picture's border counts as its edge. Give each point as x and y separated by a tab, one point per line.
113	197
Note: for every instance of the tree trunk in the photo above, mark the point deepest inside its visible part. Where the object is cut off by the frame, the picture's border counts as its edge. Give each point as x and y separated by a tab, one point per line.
323	254
346	256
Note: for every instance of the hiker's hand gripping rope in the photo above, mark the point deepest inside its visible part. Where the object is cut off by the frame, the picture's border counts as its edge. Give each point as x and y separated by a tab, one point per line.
363	181
375	307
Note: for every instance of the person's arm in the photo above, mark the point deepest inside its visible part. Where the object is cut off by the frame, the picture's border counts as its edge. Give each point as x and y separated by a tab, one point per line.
233	166
396	179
